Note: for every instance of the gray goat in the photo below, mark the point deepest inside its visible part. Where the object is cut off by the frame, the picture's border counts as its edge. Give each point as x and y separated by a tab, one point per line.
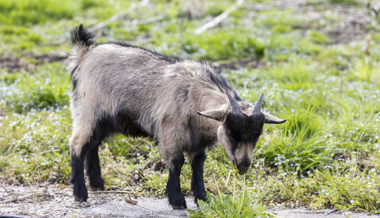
183	105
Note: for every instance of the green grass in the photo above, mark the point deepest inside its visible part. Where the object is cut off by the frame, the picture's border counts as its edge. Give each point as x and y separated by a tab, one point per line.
327	155
45	90
235	205
223	45
25	12
343	1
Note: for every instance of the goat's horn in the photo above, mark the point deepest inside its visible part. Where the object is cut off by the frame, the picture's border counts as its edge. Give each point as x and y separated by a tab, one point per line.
234	105
258	104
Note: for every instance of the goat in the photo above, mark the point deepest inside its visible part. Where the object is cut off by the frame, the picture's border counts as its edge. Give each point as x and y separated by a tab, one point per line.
183	105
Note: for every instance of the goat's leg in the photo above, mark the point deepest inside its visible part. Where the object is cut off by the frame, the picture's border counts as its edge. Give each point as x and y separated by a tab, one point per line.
93	166
197	183
173	187
77	174
79	143
92	156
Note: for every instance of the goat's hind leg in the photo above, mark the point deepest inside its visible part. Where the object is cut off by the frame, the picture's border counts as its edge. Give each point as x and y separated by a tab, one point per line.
92	163
78	152
102	129
82	139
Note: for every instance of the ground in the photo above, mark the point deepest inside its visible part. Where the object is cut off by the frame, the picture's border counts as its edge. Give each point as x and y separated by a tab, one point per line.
317	63
56	200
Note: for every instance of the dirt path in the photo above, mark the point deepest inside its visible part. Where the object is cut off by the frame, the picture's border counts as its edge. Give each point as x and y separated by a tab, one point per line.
57	201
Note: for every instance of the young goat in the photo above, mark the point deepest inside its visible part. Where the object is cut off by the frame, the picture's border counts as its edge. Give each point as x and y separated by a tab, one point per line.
183	105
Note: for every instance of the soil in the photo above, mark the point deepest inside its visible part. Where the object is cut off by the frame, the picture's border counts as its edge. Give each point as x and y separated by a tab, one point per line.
56	200
14	64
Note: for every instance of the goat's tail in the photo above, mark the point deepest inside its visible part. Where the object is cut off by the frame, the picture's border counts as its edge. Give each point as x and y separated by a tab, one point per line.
80	36
82	39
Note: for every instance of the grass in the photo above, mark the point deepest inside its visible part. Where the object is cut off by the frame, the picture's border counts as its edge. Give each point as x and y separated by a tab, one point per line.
327	155
223	44
235	205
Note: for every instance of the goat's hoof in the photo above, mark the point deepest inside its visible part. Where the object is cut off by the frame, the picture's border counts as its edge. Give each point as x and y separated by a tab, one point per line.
182	207
97	188
97	184
80	194
81	198
178	202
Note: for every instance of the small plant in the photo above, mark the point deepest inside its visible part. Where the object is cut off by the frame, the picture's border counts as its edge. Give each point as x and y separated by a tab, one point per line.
235	205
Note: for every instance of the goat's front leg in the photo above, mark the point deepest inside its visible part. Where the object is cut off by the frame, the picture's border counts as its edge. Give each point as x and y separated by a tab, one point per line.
173	187
197	183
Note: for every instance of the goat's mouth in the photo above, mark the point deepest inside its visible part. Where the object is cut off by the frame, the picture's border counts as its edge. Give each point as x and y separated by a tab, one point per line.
240	171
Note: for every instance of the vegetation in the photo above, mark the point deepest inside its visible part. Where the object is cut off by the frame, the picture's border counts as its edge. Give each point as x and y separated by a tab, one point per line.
321	76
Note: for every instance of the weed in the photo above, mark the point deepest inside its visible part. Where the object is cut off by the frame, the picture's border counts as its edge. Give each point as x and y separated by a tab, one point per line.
235	205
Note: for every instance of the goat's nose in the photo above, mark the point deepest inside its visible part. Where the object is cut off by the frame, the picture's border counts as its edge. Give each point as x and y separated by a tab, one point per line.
244	166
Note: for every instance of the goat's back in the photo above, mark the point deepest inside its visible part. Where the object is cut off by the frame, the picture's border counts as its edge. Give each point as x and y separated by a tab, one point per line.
145	86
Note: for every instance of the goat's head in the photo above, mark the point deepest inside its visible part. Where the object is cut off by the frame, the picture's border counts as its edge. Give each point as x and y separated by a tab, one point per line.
240	130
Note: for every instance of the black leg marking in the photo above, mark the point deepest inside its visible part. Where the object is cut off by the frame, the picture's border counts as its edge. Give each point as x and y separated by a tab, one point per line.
197	183
103	128
93	167
173	187
77	176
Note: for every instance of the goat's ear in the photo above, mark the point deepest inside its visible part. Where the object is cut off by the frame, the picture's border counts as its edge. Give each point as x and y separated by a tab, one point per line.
272	119
215	114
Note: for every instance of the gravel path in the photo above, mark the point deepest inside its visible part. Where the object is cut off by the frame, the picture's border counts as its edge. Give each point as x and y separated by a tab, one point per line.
57	201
